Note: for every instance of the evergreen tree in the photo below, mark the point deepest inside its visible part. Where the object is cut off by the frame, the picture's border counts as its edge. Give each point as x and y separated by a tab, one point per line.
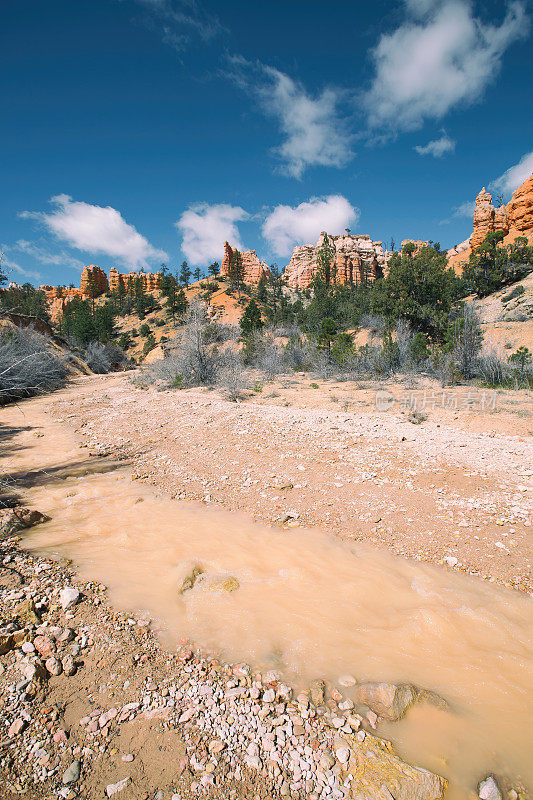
262	292
493	265
251	319
214	268
419	288
196	274
325	262
185	274
236	271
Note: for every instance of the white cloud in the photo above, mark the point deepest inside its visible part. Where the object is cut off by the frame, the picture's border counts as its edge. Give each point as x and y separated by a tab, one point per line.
44	256
440	56
314	133
206	227
11	266
436	148
514	176
95	230
287	226
177	19
465	209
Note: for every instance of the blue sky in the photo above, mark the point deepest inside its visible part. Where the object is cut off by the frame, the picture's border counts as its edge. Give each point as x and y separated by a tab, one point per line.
137	132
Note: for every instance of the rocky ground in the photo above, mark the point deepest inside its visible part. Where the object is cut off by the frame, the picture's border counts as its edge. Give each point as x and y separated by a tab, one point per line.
94	706
449	483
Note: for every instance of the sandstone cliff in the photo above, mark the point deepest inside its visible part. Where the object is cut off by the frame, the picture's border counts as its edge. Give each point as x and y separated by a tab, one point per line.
150	281
357	258
514	219
254	269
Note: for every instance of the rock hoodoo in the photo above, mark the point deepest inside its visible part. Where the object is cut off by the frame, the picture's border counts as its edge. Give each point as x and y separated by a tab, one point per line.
93	281
357	258
150	281
487	218
254	269
514	219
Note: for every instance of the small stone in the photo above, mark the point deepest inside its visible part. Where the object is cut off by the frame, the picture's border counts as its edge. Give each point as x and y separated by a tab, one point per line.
69	665
53	665
347	680
68	597
128	757
269	696
113	788
216	746
451	561
72	773
59	736
326	760
317	691
45	646
16	727
343	754
488	790
27	647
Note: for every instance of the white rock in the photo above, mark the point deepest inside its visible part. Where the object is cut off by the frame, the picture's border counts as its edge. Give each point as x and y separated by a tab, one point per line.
488	790
451	561
347	680
343	754
68	597
113	788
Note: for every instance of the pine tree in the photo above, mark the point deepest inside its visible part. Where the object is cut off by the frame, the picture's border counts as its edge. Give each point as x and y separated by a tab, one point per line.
251	319
236	271
262	292
325	262
214	268
196	274
185	274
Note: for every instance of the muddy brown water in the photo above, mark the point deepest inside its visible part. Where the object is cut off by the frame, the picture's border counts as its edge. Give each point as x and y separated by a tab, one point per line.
307	605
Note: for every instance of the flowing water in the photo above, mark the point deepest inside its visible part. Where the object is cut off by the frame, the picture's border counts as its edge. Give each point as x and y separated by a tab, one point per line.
311	607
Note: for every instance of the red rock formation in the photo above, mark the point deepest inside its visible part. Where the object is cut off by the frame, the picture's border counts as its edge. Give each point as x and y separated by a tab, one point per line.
418	243
487	218
357	258
151	281
514	219
520	211
254	269
93	281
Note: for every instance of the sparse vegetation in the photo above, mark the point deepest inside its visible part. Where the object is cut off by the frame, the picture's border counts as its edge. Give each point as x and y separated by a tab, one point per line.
28	365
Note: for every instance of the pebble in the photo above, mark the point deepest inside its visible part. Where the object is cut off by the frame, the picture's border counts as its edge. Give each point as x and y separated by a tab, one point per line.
488	790
53	665
72	773
343	754
114	788
128	757
68	597
347	680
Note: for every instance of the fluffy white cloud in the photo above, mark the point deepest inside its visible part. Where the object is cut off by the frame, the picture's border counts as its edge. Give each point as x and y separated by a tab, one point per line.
287	226
314	133
436	148
95	229
441	55
514	176
206	227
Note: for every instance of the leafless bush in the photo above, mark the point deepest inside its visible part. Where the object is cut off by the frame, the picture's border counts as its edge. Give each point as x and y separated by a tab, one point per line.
467	341
195	357
374	323
417	417
231	377
493	368
103	358
28	365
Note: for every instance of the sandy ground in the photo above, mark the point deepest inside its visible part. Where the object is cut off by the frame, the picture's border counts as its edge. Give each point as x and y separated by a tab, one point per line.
454	489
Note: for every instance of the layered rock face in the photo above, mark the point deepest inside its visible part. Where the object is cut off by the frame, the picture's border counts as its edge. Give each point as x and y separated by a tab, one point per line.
418	243
93	281
514	219
357	258
487	218
520	210
254	269
150	281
